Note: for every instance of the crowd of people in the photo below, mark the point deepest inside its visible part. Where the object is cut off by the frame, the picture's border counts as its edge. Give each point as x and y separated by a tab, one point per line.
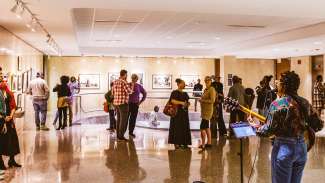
124	99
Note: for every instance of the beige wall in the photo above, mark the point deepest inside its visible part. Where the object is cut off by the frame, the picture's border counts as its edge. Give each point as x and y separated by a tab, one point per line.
30	58
58	66
251	70
304	70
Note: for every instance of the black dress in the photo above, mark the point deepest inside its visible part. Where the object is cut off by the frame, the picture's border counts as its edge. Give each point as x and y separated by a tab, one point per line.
179	129
9	143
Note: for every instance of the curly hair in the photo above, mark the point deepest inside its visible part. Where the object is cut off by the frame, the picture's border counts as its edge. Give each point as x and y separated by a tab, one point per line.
291	82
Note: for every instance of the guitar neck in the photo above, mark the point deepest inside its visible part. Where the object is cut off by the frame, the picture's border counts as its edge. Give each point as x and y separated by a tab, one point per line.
250	112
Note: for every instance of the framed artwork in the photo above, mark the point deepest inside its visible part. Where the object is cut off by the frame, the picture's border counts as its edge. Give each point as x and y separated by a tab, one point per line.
30	74
229	79
112	77
19	64
13	84
190	80
141	77
161	81
19	101
19	82
89	81
25	81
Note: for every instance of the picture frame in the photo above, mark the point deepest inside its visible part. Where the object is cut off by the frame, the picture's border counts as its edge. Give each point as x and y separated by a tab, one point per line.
25	80
19	101
19	82
112	77
190	80
229	79
140	76
13	84
162	81
19	63
89	81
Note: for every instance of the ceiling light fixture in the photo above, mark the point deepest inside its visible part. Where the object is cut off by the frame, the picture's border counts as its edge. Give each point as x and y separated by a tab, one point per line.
318	43
34	24
217	38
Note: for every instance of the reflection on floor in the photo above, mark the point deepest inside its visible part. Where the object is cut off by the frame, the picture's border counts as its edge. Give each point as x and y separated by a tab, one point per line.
88	153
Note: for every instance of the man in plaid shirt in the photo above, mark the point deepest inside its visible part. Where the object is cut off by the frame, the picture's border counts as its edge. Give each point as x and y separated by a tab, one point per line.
121	91
318	95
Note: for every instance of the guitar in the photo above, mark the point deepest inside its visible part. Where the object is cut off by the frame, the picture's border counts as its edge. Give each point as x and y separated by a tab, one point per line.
232	104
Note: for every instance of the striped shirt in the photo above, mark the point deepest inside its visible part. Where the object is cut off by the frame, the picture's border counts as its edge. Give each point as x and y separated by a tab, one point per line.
121	92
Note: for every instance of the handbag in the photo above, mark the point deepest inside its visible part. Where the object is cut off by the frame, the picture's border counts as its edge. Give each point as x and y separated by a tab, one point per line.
63	102
106	108
170	109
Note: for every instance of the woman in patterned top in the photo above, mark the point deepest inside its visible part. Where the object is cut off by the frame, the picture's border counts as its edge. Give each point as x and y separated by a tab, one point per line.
318	95
286	121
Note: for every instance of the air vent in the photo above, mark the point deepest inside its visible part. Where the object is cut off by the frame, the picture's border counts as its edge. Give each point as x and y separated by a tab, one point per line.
247	26
114	21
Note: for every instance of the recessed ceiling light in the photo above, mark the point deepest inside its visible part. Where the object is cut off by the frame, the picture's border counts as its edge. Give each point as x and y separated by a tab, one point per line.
217	38
275	49
169	37
318	42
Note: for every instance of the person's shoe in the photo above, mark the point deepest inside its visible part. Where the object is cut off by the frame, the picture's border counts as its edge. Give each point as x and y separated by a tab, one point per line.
208	146
132	135
201	147
38	128
44	128
2	172
13	163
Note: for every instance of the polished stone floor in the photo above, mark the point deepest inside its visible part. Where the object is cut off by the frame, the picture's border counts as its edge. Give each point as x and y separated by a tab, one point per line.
88	153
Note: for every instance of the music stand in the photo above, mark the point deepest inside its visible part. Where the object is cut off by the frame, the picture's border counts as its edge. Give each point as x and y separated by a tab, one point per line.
242	130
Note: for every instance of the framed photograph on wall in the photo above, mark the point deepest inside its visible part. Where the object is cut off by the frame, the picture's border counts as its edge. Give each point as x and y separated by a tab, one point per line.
19	82
25	80
89	81
141	77
190	80
13	84
161	81
112	77
19	101
229	79
19	64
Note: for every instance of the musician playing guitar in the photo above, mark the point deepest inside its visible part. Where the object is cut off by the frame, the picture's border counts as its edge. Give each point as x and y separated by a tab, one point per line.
292	124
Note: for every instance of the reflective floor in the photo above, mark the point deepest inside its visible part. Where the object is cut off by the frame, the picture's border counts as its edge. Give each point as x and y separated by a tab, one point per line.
88	153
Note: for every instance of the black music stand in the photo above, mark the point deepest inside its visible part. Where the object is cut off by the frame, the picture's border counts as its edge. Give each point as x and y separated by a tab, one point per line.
241	131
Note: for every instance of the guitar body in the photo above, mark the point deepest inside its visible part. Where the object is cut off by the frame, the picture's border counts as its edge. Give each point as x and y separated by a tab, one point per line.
309	133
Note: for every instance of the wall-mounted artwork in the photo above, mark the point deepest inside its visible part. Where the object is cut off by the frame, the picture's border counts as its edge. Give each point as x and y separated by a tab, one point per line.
25	80
229	79
112	77
161	81
141	78
19	101
19	82
190	80
89	81
14	82
19	63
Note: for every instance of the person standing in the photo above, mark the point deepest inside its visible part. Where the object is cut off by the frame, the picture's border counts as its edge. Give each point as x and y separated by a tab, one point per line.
74	89
318	95
9	143
207	101
40	92
286	122
111	110
135	102
121	91
198	87
64	94
179	128
217	122
236	92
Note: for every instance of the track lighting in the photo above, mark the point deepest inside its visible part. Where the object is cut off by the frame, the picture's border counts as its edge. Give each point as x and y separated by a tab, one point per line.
19	9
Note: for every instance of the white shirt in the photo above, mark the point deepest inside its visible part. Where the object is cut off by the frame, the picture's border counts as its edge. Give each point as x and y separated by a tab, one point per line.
39	89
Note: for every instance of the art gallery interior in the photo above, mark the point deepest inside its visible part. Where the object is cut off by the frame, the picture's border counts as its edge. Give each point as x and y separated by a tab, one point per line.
159	41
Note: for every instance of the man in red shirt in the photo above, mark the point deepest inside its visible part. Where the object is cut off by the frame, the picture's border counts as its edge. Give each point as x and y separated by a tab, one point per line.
121	91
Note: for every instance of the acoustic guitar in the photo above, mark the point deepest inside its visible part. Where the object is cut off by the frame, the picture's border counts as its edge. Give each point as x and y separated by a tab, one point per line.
232	104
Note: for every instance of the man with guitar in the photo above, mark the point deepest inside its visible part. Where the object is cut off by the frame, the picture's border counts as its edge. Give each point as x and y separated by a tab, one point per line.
292	123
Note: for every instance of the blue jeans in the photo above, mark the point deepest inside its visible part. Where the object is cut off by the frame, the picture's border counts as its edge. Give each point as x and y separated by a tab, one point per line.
40	108
289	156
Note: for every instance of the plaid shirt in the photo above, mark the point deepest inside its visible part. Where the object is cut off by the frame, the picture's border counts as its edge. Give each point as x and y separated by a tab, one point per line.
318	96
121	92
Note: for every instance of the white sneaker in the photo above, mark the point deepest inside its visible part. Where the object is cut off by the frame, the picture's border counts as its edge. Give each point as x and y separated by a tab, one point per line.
2	172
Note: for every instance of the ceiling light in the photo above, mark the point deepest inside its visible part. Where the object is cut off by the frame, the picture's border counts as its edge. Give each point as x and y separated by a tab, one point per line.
169	37
275	49
217	38
318	42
